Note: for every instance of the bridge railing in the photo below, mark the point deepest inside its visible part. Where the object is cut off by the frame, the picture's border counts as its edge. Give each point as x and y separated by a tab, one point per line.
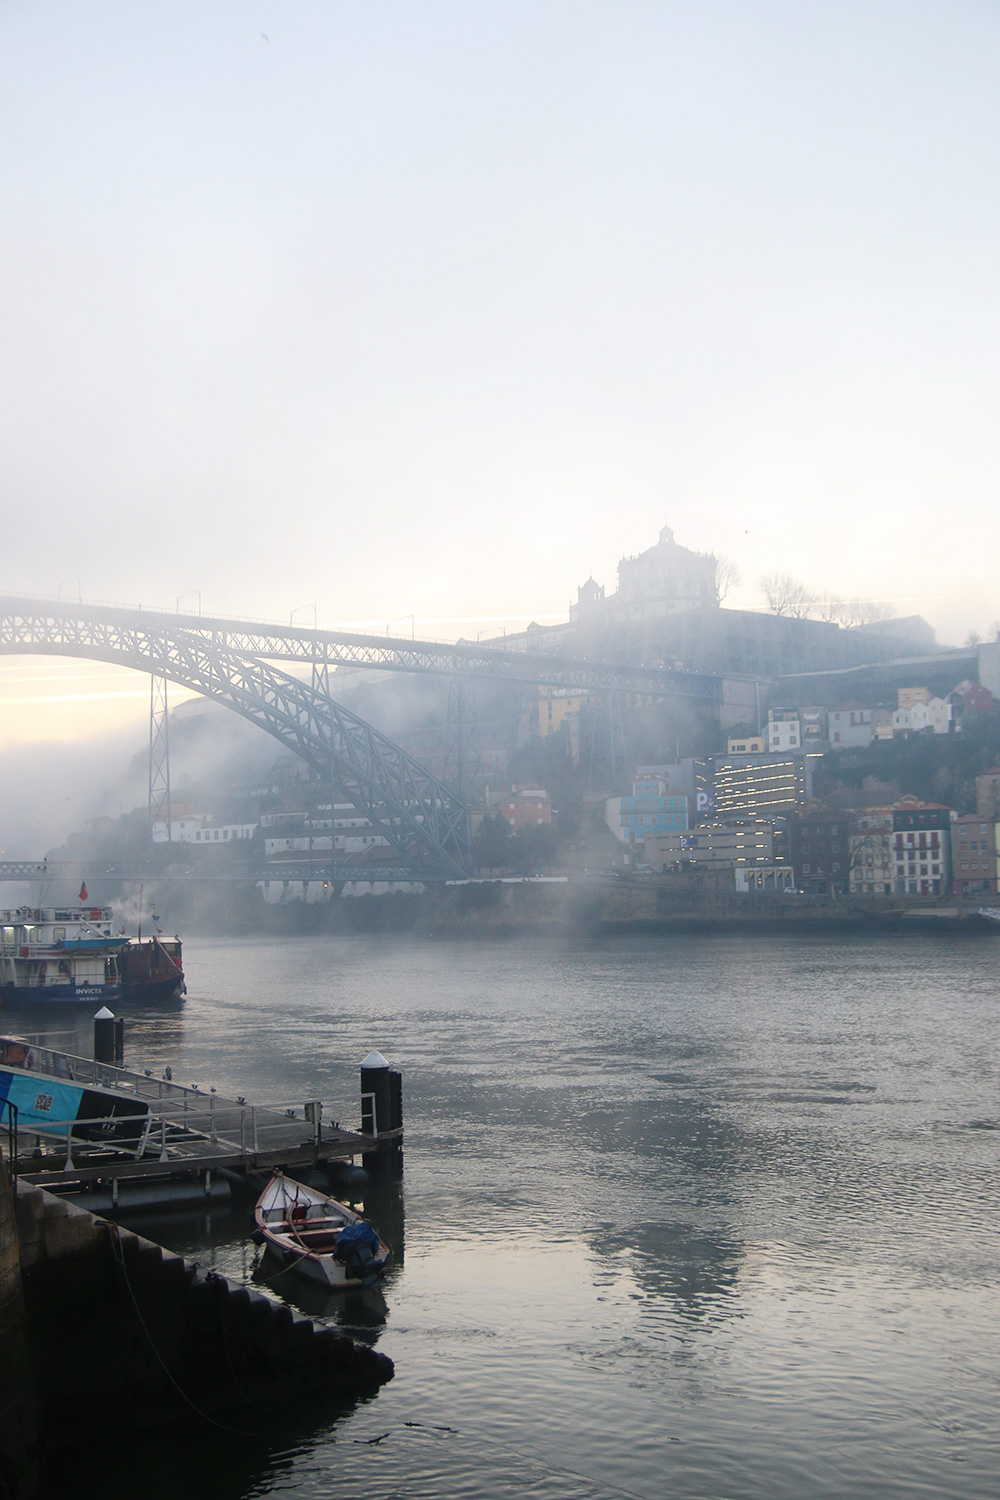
363	628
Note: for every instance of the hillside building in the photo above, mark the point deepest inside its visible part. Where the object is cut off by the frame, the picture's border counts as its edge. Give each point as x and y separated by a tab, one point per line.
652	808
752	785
784	731
527	807
921	845
752	744
871	856
821	852
719	846
850	727
974	858
988	793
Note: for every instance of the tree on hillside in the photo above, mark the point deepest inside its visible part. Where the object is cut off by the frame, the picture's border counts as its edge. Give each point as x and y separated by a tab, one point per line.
491	844
727	578
786	595
533	850
855	613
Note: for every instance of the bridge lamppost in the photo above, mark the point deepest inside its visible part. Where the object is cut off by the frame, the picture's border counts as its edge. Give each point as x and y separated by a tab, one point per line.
413	624
299	607
186	595
75	579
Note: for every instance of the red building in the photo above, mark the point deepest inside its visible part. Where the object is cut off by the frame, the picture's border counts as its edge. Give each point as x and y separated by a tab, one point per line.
527	807
970	699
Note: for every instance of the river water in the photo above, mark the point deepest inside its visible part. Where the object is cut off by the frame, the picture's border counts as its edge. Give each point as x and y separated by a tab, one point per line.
689	1216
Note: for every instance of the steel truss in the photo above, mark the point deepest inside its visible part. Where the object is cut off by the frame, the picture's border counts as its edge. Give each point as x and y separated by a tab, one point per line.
414	812
323	650
159	753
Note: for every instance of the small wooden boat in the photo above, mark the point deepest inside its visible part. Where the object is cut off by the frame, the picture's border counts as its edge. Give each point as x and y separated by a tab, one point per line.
317	1236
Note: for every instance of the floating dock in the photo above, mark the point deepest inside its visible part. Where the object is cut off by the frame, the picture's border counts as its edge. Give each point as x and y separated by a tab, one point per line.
187	1133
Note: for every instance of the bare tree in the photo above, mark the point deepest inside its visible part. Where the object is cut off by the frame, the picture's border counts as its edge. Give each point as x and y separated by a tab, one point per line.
786	595
831	607
855	613
972	639
727	578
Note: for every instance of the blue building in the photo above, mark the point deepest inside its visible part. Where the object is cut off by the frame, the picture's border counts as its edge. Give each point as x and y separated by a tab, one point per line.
652	808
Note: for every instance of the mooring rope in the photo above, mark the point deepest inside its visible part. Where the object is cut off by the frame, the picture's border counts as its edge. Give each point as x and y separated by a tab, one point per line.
118	1255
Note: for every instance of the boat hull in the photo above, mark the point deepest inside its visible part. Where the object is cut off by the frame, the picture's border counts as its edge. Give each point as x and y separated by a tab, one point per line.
59	994
322	1270
153	989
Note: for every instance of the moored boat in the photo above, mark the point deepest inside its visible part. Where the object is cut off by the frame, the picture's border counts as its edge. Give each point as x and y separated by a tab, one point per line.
319	1237
151	969
73	954
54	954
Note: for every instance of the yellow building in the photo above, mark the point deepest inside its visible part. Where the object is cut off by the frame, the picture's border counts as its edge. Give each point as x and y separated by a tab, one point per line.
555	705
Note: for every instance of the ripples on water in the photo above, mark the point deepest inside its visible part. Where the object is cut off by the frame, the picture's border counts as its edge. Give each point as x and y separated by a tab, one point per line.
699	1217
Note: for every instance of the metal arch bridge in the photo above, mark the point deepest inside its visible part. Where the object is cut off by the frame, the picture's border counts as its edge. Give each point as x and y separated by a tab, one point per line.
77	623
232	662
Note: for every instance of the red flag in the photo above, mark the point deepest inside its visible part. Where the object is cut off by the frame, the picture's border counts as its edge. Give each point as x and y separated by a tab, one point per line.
83	891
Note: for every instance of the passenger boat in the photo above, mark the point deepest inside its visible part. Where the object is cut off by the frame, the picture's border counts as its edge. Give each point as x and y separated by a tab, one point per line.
44	1102
319	1237
50	954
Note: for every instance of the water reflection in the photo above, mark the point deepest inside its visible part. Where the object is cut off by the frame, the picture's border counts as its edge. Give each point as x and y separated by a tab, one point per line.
696	1274
701	1218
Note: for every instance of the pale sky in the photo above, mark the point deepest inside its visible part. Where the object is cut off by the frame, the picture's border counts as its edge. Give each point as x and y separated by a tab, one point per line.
436	309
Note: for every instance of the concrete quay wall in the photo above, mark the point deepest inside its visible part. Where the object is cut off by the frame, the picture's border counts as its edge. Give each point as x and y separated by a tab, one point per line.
124	1334
497	908
19	1459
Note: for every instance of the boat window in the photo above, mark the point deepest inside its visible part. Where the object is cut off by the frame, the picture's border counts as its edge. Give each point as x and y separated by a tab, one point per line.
58	934
8	934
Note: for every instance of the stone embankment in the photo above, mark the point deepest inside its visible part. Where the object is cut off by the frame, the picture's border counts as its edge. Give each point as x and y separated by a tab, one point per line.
124	1334
682	904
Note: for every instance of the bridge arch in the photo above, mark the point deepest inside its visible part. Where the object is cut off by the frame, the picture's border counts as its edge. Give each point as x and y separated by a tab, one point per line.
417	815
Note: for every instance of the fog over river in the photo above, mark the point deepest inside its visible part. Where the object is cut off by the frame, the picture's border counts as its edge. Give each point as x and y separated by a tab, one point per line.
698	1217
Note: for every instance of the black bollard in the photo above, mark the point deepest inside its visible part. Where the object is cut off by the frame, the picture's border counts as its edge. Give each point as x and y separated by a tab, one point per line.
382	1114
107	1036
